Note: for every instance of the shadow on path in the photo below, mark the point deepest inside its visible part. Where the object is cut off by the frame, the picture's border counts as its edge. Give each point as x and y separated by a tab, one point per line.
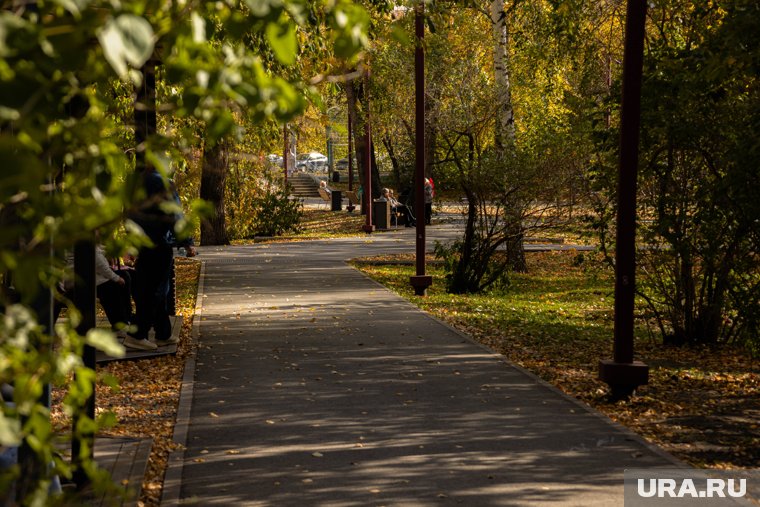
315	386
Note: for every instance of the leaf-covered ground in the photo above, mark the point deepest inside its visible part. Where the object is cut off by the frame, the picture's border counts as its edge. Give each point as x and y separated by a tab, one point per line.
320	224
148	393
702	405
330	224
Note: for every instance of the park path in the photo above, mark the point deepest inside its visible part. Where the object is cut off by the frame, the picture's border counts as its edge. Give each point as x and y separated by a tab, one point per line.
315	386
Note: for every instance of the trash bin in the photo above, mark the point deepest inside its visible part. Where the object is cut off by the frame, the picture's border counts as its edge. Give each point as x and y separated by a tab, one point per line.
337	196
336	177
381	214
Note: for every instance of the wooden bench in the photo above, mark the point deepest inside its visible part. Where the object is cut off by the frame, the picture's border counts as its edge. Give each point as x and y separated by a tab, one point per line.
353	197
325	196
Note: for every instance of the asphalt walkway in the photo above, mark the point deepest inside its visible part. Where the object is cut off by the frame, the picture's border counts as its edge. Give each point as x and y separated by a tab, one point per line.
315	386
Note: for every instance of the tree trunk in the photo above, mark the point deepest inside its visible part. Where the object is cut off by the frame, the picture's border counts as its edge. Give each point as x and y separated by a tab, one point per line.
505	118
461	279
514	245
395	164
213	177
356	108
504	133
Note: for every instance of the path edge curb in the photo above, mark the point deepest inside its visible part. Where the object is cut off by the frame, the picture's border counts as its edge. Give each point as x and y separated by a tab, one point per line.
170	495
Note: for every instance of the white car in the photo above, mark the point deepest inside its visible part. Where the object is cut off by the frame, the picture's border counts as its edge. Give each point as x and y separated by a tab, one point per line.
312	161
275	159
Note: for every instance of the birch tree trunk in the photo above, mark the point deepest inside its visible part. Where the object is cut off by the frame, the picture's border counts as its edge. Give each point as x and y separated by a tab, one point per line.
505	118
504	133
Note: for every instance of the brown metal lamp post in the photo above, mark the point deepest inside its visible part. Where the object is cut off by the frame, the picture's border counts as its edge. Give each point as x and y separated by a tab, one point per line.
286	150
368	227
622	373
84	300
350	206
420	281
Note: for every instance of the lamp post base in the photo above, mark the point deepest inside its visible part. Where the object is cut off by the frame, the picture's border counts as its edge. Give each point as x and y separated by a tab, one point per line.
623	378
421	283
368	228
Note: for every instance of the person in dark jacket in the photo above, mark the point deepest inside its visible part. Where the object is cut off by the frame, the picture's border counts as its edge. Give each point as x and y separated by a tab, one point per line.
153	266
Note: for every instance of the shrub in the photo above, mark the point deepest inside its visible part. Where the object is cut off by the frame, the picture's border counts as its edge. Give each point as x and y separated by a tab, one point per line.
274	213
257	202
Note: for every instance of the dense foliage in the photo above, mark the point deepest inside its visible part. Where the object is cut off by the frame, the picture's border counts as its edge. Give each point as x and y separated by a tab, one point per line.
702	157
67	145
699	192
699	270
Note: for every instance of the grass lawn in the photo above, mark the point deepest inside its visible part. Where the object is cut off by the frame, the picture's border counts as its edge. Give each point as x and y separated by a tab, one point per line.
701	405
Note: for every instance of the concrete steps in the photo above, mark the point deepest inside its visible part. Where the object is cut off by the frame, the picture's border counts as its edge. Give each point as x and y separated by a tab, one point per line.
303	185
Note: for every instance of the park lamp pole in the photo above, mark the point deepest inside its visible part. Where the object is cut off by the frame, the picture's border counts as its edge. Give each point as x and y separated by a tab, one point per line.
286	149
420	281
368	227
330	145
350	207
84	300
622	373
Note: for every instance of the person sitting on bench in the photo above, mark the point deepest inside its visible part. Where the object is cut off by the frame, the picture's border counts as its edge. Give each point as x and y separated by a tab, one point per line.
113	290
399	208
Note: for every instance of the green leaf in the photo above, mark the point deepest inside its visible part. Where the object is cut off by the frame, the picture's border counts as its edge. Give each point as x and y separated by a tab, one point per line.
282	39
350	23
107	420
10	431
400	35
105	341
126	40
111	381
199	28
262	8
220	125
75	7
7	113
10	27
